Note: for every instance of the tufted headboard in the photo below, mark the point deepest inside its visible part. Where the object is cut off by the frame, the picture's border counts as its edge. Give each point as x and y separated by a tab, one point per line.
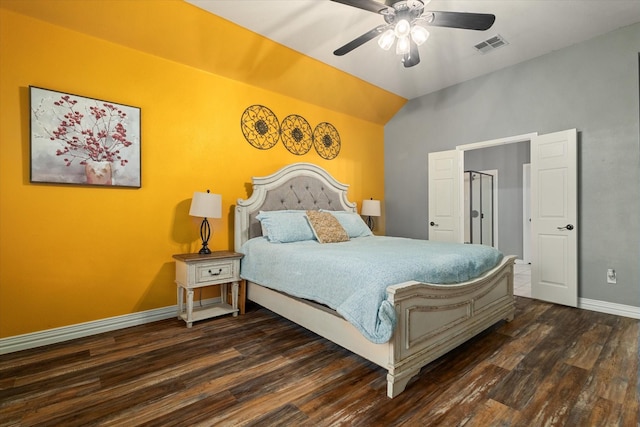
298	186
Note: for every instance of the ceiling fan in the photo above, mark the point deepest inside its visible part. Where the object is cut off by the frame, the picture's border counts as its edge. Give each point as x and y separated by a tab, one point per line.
406	21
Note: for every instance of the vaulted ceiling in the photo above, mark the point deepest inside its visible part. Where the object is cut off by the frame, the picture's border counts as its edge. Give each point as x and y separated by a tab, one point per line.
530	27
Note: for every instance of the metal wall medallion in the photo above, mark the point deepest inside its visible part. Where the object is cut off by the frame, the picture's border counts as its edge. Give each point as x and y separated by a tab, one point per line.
326	141
262	130
296	134
260	127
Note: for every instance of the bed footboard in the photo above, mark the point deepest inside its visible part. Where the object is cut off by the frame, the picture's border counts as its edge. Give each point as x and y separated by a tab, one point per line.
434	319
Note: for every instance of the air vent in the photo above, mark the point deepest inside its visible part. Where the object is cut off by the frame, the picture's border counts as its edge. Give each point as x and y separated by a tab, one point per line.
491	44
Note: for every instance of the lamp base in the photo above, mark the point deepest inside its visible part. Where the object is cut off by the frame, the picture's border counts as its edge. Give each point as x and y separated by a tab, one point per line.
205	234
370	223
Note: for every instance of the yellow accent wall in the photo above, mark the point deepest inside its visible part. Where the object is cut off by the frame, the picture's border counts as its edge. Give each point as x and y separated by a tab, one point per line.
71	254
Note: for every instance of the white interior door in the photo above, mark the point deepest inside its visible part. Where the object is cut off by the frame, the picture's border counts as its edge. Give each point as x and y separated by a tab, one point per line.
445	196
554	243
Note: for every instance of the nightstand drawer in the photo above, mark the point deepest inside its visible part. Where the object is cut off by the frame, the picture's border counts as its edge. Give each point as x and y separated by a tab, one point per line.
214	271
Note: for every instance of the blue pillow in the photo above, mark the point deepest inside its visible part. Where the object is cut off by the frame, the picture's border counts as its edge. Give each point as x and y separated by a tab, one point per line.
285	226
352	223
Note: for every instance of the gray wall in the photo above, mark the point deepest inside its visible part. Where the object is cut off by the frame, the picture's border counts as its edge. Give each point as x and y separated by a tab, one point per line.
591	86
507	160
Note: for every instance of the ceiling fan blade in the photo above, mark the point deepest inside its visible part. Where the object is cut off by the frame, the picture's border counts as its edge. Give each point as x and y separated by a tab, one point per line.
413	57
370	5
464	20
357	42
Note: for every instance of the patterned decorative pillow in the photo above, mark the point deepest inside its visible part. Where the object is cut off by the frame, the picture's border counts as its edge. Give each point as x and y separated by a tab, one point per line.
326	227
352	223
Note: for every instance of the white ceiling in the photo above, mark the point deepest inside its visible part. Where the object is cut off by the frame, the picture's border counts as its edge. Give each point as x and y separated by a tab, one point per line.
531	27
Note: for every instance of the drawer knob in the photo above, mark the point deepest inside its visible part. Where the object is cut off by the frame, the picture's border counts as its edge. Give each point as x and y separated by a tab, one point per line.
215	274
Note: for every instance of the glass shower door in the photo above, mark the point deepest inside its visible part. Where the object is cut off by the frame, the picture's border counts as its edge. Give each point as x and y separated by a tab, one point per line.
478	208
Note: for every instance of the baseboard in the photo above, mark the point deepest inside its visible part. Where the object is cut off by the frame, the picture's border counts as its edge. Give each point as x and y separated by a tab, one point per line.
65	333
609	308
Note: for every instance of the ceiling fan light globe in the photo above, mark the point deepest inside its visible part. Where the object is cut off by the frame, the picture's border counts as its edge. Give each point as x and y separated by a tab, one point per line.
403	46
386	39
403	28
419	34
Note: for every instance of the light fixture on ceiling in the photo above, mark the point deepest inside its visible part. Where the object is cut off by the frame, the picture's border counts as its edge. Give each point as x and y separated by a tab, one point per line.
405	25
407	28
404	32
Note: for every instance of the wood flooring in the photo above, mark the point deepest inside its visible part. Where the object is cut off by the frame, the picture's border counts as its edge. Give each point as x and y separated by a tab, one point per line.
550	366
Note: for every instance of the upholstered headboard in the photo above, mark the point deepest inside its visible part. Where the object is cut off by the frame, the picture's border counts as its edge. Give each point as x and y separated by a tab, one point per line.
297	186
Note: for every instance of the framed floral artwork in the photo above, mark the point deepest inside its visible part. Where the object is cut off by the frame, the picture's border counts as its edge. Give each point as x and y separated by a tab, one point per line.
86	141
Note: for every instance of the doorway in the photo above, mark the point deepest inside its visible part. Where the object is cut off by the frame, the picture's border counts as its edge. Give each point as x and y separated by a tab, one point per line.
505	161
522	271
509	160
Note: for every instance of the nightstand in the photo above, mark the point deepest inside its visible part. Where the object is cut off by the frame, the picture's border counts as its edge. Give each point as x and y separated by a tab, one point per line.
193	271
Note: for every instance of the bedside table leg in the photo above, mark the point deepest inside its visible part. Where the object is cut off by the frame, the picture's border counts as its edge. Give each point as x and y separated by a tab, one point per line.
180	302
189	307
234	297
223	293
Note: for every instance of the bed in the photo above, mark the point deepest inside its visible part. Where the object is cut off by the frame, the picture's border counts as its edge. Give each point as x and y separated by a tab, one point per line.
429	319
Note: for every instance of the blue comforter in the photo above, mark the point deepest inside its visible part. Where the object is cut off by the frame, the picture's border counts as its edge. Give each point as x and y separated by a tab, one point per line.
352	277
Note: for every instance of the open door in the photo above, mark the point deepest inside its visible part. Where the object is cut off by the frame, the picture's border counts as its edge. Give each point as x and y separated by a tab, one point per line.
554	242
444	196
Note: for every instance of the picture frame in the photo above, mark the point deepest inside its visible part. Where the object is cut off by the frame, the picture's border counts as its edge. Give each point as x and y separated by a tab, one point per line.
83	141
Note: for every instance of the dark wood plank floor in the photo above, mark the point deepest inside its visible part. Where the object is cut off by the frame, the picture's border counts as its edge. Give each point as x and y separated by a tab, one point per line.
551	366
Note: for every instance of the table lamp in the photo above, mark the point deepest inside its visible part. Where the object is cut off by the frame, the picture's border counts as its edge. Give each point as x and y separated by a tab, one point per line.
370	208
206	205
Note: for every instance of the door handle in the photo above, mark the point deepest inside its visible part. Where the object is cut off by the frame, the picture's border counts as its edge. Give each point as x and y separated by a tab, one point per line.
566	227
433	224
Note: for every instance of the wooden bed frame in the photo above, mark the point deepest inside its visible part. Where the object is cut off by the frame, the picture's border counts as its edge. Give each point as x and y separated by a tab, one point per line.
431	319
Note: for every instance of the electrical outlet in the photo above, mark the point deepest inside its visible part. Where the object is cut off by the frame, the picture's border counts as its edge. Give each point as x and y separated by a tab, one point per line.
611	276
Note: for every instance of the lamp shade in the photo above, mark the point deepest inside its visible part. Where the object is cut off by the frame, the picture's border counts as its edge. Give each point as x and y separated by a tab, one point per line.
206	205
370	208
